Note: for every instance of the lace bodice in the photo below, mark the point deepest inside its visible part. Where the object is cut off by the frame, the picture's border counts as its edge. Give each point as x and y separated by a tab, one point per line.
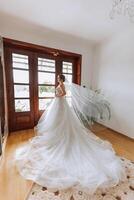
58	90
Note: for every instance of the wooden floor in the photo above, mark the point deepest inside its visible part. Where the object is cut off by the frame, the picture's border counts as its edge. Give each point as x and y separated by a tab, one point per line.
14	187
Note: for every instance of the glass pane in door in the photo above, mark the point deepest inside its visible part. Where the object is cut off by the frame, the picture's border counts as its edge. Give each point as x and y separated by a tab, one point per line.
46	65
22	105
46	91
20	76
67	67
46	78
20	61
21	91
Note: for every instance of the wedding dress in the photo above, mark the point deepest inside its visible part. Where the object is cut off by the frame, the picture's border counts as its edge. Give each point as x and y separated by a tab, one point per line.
66	154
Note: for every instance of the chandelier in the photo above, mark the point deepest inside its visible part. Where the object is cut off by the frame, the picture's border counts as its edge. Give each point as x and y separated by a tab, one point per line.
123	7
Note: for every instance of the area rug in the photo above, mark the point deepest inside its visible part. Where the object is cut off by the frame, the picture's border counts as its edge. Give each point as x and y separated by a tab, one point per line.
123	191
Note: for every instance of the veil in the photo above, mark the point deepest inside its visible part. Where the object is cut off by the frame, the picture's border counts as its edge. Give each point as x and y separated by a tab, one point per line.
88	105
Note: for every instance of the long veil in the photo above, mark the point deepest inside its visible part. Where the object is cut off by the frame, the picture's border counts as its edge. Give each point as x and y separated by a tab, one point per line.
88	105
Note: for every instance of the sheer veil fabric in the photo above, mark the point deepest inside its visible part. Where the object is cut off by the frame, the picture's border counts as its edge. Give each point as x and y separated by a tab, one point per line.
64	153
87	104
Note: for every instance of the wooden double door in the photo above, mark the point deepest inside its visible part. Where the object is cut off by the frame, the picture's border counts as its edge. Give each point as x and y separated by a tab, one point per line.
31	77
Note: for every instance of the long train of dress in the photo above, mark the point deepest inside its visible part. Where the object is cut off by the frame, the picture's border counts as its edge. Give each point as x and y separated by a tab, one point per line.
65	154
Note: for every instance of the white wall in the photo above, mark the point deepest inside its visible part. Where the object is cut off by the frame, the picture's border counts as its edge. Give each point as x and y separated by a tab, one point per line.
19	29
114	73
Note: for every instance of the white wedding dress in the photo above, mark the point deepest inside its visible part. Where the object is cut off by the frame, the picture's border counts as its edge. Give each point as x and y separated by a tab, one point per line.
65	154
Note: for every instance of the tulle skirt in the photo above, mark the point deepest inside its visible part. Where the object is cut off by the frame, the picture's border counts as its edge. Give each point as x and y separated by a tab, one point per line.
65	154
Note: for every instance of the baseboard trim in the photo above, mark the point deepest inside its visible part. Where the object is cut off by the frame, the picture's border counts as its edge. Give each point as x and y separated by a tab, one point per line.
123	135
3	149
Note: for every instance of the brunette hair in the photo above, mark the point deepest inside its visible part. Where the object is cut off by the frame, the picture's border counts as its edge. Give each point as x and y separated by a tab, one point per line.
62	77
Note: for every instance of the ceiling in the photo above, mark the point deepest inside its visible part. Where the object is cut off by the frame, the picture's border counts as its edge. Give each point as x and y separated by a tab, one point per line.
87	19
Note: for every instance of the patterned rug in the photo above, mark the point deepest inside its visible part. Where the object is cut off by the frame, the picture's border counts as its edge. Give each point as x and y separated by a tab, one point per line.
123	191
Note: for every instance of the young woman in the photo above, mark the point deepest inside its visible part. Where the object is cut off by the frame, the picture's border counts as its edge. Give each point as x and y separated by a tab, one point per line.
65	154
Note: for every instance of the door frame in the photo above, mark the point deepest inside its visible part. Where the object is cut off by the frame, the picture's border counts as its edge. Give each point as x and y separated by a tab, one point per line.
22	47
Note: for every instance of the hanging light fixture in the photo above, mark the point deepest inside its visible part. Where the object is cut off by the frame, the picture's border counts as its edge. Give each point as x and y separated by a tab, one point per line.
123	7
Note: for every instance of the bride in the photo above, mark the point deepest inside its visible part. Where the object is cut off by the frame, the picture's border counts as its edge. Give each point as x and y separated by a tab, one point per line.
66	154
